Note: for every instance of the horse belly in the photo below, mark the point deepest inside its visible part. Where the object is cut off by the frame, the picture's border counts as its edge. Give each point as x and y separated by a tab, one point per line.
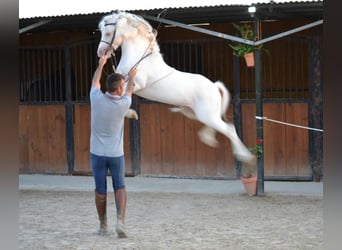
164	95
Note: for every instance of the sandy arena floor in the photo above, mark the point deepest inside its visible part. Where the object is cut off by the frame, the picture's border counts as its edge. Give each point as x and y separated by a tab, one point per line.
67	220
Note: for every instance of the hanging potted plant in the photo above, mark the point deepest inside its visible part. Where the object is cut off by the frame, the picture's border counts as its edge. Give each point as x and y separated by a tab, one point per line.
246	32
248	176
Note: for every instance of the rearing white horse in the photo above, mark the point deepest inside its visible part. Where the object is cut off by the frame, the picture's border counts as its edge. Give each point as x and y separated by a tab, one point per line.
194	95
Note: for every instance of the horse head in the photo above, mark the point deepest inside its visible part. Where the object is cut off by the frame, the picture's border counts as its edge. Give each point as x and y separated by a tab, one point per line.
120	26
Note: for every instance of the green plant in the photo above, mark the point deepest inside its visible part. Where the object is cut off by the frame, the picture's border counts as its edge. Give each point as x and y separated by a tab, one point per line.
247	169
246	32
257	148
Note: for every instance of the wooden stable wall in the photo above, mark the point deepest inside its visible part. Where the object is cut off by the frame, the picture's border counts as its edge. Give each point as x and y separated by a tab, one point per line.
170	146
168	142
82	137
42	139
286	148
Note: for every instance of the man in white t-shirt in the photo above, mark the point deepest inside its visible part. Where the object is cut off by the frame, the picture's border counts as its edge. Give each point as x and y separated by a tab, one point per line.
108	111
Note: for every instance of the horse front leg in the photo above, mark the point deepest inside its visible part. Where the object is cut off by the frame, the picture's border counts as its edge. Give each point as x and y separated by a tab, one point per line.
132	114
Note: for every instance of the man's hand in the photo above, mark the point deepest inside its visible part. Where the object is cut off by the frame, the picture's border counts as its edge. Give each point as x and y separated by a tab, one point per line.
102	60
97	74
132	74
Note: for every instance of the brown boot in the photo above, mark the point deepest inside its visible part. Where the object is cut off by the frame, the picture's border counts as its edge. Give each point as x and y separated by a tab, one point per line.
101	207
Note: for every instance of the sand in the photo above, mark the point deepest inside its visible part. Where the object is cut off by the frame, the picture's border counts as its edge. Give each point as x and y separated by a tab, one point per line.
68	220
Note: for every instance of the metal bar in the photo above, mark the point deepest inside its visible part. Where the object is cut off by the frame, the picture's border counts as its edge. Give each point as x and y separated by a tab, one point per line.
259	110
315	110
50	73
234	38
201	30
54	63
283	87
135	153
289	77
24	80
289	32
39	75
29	74
44	82
237	108
288	178
33	26
59	84
69	111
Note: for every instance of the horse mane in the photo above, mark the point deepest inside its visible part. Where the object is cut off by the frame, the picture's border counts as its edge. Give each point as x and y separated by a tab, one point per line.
143	27
138	22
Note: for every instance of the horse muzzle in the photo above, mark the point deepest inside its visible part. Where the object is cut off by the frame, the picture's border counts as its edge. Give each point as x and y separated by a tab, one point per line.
105	50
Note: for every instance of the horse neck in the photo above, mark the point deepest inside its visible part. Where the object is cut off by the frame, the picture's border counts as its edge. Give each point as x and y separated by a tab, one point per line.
136	48
133	50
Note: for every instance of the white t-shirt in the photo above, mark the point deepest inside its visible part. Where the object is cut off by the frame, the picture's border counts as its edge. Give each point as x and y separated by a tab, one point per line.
107	122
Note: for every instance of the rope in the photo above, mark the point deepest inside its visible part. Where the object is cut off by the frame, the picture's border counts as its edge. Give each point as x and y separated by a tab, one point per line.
286	123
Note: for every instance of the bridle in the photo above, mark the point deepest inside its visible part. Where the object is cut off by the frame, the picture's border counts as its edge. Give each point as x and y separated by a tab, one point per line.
112	55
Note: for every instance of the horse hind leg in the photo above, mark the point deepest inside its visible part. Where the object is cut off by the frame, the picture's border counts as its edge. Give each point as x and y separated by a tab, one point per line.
208	136
240	151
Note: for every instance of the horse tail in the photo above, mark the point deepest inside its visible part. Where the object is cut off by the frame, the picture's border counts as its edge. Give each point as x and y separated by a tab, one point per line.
225	98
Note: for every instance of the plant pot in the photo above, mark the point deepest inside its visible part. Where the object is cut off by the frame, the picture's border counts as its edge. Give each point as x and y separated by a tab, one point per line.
250	184
249	58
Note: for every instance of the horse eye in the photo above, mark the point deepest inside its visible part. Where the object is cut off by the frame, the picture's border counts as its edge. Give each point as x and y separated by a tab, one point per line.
107	33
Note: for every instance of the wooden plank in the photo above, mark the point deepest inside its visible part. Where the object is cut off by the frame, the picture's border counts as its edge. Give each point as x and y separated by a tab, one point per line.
150	139
55	125
82	138
156	142
189	146
274	140
297	154
24	166
210	166
127	147
166	141
178	143
43	140
200	153
145	125
248	124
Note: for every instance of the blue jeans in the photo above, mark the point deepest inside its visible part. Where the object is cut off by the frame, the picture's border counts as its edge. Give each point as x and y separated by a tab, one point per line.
101	165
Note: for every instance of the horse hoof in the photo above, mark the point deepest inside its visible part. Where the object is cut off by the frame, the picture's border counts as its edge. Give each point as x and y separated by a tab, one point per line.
132	114
251	161
248	160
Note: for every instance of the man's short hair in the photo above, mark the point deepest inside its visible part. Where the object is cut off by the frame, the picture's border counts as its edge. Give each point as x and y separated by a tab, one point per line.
113	81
